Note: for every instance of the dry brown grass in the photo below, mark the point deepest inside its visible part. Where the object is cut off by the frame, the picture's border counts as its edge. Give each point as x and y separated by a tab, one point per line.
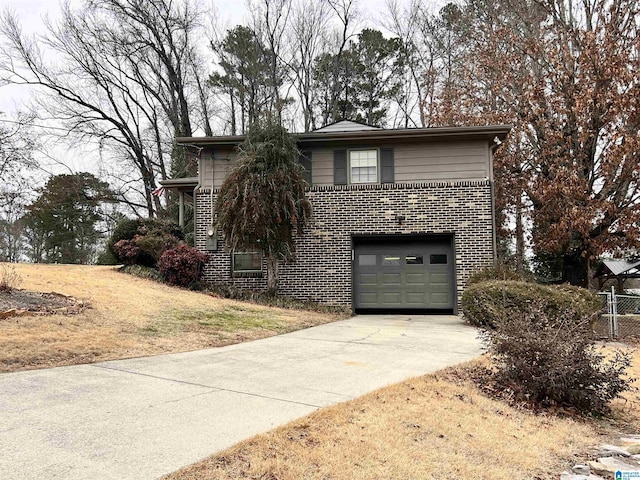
433	427
626	410
130	317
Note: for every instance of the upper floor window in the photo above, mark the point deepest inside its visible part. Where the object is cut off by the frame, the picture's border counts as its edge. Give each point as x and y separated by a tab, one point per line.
363	166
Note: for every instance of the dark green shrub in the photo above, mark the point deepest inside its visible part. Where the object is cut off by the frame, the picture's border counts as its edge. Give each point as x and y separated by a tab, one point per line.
494	302
151	236
549	358
156	227
182	265
107	257
495	272
190	239
126	229
153	245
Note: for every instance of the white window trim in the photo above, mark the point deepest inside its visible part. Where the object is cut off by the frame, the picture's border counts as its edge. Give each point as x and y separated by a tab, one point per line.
377	150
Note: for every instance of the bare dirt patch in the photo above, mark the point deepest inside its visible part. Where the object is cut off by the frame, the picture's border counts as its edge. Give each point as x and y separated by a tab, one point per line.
23	302
130	317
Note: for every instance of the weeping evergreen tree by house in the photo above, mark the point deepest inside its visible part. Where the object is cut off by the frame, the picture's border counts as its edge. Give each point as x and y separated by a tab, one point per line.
262	203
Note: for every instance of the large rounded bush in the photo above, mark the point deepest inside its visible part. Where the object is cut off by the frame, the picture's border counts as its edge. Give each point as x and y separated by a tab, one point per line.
151	237
491	303
126	229
542	345
182	265
495	272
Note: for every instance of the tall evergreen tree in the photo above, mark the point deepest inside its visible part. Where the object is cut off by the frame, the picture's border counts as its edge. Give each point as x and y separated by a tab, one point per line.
245	78
62	222
367	75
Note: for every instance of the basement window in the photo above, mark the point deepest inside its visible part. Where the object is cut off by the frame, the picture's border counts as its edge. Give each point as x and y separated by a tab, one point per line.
246	263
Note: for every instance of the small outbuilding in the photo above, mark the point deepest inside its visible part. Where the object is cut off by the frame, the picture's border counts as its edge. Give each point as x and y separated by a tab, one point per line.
618	270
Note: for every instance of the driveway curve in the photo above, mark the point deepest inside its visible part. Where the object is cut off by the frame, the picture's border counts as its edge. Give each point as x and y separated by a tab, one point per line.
145	417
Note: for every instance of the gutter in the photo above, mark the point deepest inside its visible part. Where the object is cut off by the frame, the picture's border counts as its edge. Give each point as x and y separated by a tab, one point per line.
403	134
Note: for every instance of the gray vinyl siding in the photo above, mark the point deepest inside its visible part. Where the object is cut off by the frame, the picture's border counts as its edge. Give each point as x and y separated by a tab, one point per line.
205	170
427	162
215	171
442	161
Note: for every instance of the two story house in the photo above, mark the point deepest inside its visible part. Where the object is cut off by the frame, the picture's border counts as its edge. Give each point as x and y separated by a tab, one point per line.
401	217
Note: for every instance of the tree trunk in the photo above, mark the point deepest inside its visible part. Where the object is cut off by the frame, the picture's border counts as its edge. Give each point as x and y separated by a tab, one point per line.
233	113
272	274
519	239
574	268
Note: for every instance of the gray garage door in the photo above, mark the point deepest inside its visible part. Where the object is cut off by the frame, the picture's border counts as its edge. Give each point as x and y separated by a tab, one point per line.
397	274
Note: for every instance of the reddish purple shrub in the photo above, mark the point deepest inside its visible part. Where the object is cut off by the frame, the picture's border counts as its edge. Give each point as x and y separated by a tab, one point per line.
127	251
182	265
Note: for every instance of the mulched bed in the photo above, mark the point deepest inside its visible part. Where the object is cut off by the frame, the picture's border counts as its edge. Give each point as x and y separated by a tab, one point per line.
23	302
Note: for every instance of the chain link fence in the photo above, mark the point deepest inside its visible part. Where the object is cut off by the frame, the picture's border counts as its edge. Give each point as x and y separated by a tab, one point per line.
603	324
620	316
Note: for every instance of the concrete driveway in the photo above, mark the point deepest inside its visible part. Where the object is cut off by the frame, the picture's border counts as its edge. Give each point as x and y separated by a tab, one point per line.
145	417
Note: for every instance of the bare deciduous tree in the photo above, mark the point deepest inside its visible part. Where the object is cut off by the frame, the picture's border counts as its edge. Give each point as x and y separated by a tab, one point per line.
124	77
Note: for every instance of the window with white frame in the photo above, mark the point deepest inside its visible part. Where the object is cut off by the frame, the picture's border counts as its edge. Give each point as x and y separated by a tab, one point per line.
363	166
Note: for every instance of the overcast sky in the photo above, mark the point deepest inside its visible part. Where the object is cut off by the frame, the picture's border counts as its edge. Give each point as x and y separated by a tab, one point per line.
230	12
32	12
84	158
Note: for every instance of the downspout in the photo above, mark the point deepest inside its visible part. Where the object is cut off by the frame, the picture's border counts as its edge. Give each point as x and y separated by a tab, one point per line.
494	239
195	196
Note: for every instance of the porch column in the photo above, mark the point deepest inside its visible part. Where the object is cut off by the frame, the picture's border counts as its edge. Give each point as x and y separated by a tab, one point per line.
181	208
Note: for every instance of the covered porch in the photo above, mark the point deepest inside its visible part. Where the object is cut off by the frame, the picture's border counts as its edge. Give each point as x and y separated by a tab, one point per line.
184	187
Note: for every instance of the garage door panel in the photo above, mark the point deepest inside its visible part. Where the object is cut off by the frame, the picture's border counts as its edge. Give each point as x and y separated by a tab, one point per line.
415	298
367	260
391	261
368	279
414	259
392	298
368	298
403	273
439	278
415	278
391	279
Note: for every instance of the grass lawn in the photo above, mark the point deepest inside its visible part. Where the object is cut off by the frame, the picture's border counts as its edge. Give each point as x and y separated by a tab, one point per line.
437	426
130	317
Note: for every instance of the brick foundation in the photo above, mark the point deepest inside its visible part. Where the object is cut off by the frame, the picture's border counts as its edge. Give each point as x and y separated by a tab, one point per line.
322	268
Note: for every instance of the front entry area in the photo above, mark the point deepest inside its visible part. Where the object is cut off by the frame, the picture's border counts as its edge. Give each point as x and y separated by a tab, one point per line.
403	273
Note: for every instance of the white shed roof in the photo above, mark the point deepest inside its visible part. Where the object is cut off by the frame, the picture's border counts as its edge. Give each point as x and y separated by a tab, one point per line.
617	267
